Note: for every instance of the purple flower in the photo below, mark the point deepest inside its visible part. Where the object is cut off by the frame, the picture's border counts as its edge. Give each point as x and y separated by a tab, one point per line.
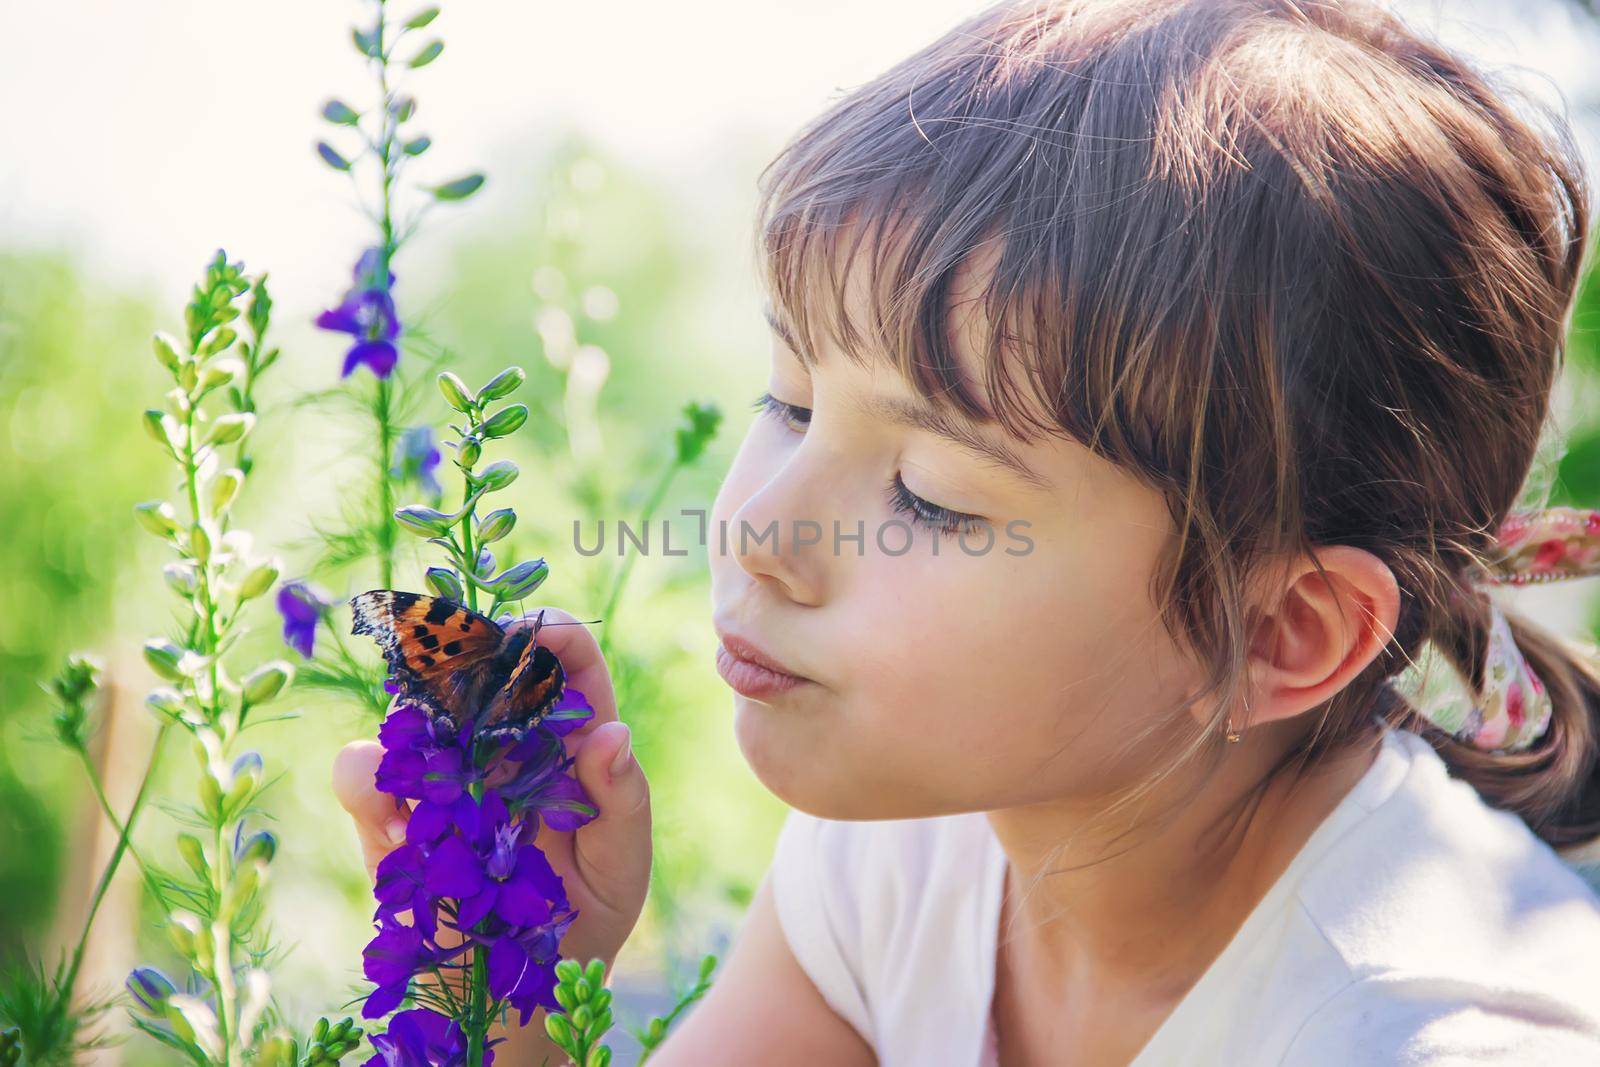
416	458
389	961
522	966
568	713
423	758
469	862
542	785
301	604
399	887
367	314
422	1038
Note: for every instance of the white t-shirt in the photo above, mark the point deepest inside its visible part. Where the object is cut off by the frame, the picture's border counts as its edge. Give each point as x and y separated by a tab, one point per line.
1417	925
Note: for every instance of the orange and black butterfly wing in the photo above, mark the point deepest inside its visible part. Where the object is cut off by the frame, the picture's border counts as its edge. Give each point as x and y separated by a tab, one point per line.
535	684
440	653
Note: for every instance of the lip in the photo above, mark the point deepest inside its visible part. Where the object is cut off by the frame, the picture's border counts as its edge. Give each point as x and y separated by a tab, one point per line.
750	671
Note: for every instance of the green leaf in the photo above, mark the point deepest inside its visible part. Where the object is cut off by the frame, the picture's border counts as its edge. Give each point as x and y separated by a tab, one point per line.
331	157
422	18
418	146
366	43
340	113
459	189
428	54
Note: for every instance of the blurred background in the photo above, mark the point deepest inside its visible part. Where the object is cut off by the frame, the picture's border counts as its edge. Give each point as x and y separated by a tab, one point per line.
622	144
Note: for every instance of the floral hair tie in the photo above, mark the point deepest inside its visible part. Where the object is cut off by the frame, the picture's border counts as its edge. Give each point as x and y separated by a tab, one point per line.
1513	709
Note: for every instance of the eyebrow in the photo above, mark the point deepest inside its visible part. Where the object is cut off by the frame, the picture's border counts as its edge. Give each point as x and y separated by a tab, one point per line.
921	416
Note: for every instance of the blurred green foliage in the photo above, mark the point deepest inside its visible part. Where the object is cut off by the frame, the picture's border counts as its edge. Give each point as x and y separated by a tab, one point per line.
71	468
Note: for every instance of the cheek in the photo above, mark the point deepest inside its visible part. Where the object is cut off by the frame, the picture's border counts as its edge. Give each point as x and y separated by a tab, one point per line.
994	681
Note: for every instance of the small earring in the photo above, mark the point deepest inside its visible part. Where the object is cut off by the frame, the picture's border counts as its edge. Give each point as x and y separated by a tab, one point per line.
1232	736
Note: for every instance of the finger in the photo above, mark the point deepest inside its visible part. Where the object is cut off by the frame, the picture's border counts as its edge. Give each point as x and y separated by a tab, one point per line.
575	646
380	818
612	851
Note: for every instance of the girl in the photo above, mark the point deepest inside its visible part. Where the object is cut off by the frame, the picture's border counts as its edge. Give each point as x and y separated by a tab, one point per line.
1150	381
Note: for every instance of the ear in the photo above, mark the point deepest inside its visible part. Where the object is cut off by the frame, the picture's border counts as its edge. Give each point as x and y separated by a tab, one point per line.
1319	633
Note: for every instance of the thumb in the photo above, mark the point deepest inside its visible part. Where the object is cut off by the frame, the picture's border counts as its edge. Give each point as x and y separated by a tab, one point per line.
612	851
380	818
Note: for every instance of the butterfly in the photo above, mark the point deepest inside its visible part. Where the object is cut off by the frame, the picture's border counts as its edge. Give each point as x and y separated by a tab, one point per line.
457	663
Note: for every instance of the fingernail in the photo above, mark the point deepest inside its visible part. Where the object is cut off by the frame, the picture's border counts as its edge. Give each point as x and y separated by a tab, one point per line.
396	832
624	756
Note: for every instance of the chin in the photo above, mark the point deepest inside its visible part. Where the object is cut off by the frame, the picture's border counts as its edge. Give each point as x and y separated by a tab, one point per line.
799	759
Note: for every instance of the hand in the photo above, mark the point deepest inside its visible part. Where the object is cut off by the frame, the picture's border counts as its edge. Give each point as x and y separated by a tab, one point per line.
605	864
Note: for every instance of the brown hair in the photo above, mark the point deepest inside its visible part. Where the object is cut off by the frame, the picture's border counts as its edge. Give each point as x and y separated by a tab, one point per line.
1298	267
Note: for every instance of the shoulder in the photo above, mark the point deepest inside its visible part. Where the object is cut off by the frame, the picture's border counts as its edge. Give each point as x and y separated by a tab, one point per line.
1462	936
858	901
1440	1021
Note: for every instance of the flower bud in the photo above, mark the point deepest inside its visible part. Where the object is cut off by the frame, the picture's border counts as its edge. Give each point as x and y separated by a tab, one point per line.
455	392
194	854
166	702
167	351
445	582
200	542
468	451
601	1057
559	1029
569	971
498	475
189	935
267	681
224	490
182	576
193	1019
495	525
164	428
231	427
246	778
211	793
188	375
506	421
505	383
519	581
245	881
158	517
219	340
429	522
259	579
259	847
150	990
220	372
594	972
164	658
485	566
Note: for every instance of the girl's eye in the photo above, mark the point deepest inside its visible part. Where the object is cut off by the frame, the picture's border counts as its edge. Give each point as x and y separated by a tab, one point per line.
924	513
930	515
791	415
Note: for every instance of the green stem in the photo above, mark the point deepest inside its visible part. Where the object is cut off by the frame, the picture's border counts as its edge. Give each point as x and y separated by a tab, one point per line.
656	496
116	859
222	935
124	833
478	991
384	408
383	415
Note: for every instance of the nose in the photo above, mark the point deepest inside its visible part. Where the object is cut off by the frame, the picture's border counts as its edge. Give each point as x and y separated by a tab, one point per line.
780	534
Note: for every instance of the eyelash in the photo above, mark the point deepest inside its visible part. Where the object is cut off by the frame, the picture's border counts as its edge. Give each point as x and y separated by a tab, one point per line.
924	513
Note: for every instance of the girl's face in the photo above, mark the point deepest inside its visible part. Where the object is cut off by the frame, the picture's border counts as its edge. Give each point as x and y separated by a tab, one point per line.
944	672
